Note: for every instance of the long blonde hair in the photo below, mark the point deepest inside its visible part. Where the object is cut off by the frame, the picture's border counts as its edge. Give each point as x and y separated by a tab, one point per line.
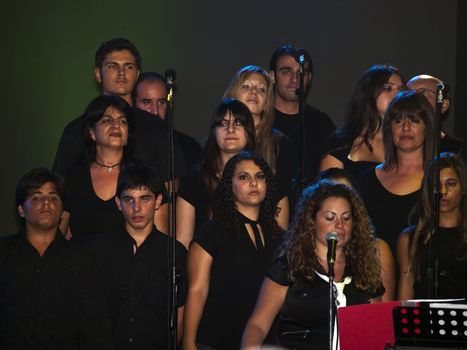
266	138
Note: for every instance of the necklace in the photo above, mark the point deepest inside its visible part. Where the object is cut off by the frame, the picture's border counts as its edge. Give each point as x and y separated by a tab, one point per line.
109	167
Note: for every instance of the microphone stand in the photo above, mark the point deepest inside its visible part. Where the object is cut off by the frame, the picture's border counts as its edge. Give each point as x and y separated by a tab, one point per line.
332	301
433	256
174	274
301	181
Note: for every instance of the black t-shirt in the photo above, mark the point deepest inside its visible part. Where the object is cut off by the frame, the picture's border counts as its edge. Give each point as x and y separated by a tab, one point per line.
236	276
287	161
150	144
303	320
38	295
191	150
452	281
89	214
127	290
388	212
318	127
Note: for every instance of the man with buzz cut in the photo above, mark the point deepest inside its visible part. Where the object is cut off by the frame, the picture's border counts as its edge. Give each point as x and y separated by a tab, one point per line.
39	279
128	271
150	94
284	70
117	67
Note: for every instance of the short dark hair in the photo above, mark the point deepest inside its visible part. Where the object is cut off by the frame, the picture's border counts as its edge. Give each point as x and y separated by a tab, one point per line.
36	178
138	175
95	111
150	77
290	50
116	44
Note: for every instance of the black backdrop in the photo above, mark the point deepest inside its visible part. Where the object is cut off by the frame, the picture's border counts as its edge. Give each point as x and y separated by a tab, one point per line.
48	48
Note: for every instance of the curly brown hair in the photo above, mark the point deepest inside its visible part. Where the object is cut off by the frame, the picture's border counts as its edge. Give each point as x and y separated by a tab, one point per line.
224	210
361	251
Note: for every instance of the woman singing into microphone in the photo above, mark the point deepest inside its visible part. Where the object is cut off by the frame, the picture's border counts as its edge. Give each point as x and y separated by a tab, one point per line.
296	287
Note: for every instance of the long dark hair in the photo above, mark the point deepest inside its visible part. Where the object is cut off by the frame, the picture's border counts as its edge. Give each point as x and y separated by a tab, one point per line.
224	209
212	164
421	217
363	119
95	111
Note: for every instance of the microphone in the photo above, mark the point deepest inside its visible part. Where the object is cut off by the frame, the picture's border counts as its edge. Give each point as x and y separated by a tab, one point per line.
170	76
332	238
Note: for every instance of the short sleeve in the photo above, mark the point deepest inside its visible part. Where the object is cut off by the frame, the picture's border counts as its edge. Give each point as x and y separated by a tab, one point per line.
209	237
191	189
279	271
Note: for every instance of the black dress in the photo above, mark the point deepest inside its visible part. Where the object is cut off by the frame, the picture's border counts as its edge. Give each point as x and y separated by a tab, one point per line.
89	214
388	212
303	319
236	275
452	267
339	147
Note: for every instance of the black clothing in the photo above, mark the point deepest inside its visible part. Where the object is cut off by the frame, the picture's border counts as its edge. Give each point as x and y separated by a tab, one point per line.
150	144
193	190
318	127
339	147
236	275
89	214
38	301
388	212
454	145
452	267
287	161
303	320
128	290
191	151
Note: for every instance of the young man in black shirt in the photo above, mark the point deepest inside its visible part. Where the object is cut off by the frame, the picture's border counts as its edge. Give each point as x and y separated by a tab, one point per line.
311	134
38	271
127	290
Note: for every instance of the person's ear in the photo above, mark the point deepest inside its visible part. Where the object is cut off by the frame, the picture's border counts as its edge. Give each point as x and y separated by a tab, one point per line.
21	211
445	105
97	75
272	75
158	201
92	133
117	201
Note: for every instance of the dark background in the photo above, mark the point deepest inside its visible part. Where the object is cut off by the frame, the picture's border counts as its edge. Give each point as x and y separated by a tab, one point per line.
48	50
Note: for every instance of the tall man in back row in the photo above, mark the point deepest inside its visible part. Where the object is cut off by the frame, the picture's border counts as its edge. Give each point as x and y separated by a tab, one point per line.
284	70
117	67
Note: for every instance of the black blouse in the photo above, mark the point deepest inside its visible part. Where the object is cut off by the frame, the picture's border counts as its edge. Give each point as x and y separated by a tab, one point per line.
236	276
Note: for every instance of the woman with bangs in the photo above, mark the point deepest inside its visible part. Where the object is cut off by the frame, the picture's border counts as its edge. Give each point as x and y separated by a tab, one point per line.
358	145
231	131
253	86
296	287
391	189
230	254
413	244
